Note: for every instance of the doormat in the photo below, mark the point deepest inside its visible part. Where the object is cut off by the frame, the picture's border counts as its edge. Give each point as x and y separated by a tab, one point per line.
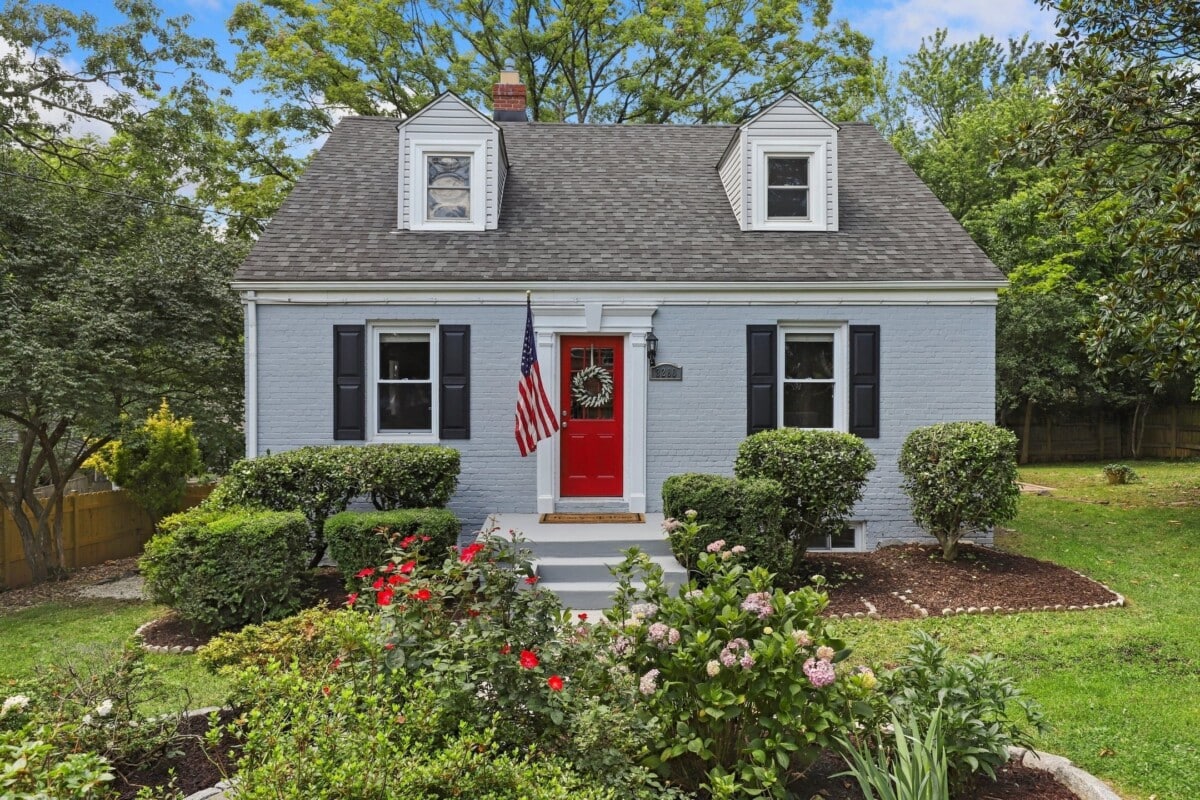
620	516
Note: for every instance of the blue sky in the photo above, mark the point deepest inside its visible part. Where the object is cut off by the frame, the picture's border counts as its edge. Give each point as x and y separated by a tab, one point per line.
896	25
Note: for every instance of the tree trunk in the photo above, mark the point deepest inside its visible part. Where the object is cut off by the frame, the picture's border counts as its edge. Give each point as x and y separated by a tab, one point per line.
950	548
35	558
1025	431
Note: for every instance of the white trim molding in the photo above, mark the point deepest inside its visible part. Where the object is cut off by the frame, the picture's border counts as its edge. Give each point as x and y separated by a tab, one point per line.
612	293
815	151
250	309
633	322
420	148
839	333
419	327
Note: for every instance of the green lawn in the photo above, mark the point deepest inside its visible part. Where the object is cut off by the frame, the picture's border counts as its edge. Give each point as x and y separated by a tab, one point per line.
65	633
1121	687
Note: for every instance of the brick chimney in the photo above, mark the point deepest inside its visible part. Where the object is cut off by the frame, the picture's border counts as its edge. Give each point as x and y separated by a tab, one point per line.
508	97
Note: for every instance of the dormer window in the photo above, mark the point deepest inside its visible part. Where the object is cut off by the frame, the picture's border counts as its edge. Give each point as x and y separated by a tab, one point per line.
789	184
448	182
787	187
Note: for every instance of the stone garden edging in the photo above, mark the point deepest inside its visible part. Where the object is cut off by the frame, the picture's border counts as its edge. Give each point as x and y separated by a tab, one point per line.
1085	785
953	612
160	649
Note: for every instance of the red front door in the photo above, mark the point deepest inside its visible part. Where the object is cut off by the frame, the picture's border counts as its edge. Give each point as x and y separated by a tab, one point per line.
591	395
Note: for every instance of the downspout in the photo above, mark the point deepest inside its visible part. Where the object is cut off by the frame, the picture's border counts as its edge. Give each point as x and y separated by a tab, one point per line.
251	379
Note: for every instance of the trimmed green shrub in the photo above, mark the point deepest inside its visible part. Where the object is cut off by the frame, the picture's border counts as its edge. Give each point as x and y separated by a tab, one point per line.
308	641
823	474
1119	474
960	477
360	539
223	569
407	475
745	512
321	481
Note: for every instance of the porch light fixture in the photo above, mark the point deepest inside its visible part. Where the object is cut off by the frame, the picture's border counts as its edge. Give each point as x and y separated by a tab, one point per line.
652	347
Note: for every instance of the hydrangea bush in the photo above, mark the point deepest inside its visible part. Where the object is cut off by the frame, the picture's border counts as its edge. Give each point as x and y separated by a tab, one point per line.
743	677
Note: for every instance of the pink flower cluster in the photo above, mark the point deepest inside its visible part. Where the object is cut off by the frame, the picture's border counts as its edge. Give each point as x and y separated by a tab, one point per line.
649	682
819	672
663	635
758	603
729	654
716	547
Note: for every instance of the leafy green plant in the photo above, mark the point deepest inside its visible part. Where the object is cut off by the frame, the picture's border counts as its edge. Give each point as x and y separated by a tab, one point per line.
980	711
31	768
359	539
1119	474
309	641
153	461
740	675
224	569
960	477
746	512
912	766
823	474
406	475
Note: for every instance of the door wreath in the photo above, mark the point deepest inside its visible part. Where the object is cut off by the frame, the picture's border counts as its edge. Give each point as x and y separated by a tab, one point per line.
592	387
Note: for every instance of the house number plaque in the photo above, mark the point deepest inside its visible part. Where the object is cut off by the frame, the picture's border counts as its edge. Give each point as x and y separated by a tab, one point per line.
666	372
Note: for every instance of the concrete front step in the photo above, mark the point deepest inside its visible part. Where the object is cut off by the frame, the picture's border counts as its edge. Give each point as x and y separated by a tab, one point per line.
609	549
557	569
595	595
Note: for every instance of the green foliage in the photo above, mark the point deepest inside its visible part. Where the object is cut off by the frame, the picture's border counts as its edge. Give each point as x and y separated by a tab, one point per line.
359	540
1117	474
960	477
746	512
739	675
823	474
979	709
153	461
321	481
406	475
308	641
912	766
223	569
31	768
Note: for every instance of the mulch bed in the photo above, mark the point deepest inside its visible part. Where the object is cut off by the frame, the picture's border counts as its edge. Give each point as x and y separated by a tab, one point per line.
980	577
66	591
193	764
1013	782
170	631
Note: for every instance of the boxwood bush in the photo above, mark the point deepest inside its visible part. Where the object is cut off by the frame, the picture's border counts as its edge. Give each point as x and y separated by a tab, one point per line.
961	477
823	474
360	539
321	481
224	569
746	512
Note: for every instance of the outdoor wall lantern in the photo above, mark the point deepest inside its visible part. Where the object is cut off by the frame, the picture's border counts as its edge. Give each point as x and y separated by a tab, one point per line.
652	347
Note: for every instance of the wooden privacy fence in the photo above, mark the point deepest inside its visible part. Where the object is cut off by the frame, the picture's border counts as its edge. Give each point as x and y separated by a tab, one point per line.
1172	432
96	527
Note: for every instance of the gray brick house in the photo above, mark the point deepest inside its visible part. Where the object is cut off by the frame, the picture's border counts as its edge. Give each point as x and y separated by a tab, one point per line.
795	271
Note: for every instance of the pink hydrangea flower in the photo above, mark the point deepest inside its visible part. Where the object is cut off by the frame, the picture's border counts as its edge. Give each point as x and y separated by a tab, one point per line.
825	653
747	661
712	668
802	638
758	603
820	673
716	547
670	525
658	632
737	549
649	682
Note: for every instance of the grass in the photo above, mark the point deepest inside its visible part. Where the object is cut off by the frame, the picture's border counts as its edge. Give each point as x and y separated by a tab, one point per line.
62	633
1119	685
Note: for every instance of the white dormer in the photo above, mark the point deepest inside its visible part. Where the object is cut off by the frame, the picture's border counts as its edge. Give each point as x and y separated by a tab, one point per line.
452	168
780	169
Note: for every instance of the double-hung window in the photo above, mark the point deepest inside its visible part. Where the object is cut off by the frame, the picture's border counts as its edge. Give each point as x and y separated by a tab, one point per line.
814	378
790	185
787	187
447	187
405	394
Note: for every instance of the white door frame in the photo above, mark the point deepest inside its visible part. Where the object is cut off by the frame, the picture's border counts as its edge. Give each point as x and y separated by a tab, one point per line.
632	322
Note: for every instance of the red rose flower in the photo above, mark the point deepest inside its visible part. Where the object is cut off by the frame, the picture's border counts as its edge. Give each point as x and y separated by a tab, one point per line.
325	691
529	659
350	598
384	598
365	572
583	616
506	649
407	566
423	594
407	541
473	612
388	567
468	553
389	646
378	584
337	662
425	539
555	683
395	579
531	580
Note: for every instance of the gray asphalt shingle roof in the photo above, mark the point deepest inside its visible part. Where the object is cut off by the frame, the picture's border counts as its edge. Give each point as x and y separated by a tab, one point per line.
600	202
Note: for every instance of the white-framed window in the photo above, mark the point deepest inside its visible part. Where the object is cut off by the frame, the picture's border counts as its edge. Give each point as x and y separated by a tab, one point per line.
448	185
403	395
850	539
789	184
814	376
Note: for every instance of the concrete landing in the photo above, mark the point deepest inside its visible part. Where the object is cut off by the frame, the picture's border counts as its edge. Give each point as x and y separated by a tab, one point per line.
573	559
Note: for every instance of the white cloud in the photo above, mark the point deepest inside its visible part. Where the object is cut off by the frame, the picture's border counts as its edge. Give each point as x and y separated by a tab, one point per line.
78	126
898	25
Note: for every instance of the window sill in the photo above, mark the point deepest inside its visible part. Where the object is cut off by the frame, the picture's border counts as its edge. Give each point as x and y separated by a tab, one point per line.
406	438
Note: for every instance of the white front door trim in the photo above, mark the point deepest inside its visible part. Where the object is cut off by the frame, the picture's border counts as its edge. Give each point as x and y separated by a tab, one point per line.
633	322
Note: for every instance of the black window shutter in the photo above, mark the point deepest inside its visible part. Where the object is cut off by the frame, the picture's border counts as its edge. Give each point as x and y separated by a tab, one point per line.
761	378
864	381
454	353
349	382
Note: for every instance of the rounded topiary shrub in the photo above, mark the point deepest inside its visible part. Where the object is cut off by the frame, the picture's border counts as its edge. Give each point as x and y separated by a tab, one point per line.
823	474
745	512
406	475
224	569
961	477
360	539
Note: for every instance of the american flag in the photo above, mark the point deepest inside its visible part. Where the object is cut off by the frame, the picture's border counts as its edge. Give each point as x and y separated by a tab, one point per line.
535	416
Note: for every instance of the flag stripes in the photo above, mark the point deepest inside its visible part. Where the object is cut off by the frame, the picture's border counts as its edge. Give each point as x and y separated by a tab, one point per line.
535	418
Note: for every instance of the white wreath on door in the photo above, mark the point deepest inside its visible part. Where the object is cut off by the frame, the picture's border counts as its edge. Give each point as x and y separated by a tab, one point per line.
583	395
